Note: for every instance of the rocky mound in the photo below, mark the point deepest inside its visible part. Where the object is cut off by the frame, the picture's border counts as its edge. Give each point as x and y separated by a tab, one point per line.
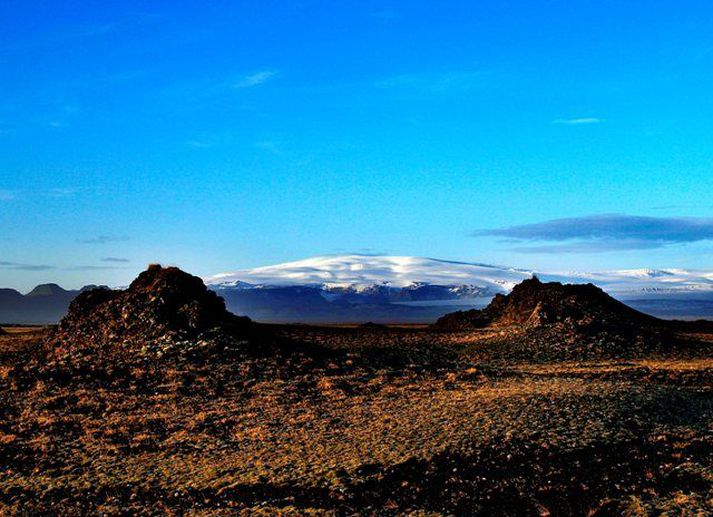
552	321
533	303
464	320
163	310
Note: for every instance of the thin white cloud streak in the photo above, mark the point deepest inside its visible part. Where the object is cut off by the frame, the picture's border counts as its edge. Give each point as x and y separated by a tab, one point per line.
256	79
96	268
24	267
68	35
56	192
208	89
578	121
63	192
198	144
103	239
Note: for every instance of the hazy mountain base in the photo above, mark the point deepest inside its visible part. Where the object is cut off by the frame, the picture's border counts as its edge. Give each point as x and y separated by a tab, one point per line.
268	306
390	422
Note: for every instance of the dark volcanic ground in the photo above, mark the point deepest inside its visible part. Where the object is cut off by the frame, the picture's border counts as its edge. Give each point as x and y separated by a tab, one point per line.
554	400
393	421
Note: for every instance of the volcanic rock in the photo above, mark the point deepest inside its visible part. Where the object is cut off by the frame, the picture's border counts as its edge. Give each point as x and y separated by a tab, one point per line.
463	320
551	321
3	332
163	310
533	304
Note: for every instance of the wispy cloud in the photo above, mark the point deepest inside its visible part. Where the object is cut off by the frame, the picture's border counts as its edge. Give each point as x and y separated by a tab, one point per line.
18	266
256	78
115	259
66	35
198	144
578	121
96	268
103	239
605	232
207	89
56	192
63	191
367	252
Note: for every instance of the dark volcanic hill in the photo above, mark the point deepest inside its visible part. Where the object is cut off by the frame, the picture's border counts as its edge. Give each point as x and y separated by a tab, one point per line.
46	290
554	321
166	331
162	311
533	303
46	303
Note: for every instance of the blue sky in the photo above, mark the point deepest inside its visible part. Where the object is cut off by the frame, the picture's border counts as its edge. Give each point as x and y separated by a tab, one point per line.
224	135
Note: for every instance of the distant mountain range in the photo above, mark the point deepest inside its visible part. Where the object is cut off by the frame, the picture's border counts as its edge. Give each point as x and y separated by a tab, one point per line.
46	303
359	288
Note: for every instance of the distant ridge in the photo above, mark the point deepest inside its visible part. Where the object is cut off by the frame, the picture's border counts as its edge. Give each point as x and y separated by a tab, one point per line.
353	288
47	290
45	304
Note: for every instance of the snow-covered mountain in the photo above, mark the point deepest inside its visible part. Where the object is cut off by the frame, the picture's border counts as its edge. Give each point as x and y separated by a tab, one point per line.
359	288
363	272
646	283
400	288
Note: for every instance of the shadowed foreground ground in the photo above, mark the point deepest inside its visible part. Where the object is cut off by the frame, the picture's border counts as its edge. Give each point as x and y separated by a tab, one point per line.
406	421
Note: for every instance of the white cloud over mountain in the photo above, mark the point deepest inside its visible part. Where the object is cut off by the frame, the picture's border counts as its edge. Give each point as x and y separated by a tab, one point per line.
361	272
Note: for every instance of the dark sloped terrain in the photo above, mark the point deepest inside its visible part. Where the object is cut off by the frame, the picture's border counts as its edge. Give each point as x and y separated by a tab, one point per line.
155	401
582	305
554	321
163	306
534	304
165	325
